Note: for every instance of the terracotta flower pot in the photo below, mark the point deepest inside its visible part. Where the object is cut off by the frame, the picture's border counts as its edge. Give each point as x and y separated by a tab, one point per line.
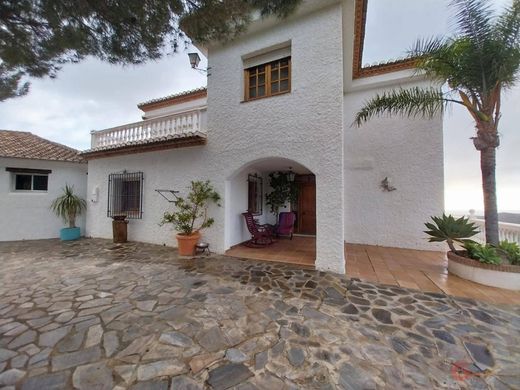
186	243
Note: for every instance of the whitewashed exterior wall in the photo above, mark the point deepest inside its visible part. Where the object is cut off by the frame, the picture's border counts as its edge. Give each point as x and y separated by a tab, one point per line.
26	215
407	151
176	108
310	126
305	126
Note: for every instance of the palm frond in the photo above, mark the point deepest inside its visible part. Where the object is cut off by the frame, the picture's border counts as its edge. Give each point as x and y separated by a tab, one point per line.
507	27
427	47
412	102
473	19
69	205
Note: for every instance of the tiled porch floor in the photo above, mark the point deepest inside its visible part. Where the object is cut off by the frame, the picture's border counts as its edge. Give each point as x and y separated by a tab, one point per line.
421	270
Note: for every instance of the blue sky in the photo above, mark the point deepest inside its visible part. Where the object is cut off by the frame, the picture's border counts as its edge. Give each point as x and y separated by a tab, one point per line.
93	95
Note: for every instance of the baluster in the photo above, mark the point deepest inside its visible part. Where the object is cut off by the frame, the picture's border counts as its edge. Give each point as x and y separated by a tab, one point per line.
175	125
184	123
164	127
196	122
158	129
191	122
171	127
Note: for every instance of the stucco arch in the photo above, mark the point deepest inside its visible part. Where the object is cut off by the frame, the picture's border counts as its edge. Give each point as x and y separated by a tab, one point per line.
329	232
281	163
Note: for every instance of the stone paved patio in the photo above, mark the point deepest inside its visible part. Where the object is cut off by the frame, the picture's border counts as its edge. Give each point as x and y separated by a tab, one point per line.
94	315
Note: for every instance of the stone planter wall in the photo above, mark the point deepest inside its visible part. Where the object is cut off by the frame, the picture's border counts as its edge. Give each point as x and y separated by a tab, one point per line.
502	276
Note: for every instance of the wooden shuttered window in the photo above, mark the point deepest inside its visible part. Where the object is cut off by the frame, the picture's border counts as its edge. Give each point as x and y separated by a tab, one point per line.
267	80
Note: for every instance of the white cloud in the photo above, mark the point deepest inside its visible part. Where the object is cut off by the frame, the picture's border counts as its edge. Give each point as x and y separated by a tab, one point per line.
95	95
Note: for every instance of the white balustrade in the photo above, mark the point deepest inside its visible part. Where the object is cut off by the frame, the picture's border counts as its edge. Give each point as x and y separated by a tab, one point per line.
181	123
506	231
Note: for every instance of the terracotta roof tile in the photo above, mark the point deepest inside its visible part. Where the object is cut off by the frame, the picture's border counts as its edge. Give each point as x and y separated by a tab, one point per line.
22	144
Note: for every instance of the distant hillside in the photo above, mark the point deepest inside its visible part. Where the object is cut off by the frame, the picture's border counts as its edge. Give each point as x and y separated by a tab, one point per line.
507	217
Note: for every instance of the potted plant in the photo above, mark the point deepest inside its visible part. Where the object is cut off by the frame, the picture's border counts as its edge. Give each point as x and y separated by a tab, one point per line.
191	215
68	206
283	191
492	265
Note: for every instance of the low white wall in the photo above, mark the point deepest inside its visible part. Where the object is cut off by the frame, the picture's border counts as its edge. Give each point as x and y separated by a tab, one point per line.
410	153
176	108
165	170
488	277
27	215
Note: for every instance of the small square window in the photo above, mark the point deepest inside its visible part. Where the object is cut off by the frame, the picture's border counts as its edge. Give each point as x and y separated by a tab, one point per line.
30	182
40	182
23	182
268	79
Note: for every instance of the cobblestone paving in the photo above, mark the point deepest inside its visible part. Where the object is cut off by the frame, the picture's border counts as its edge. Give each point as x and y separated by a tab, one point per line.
94	315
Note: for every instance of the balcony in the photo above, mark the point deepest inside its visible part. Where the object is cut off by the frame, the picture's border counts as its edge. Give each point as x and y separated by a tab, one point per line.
171	131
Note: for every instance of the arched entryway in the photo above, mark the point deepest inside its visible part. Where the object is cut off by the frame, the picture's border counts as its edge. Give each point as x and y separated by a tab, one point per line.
248	188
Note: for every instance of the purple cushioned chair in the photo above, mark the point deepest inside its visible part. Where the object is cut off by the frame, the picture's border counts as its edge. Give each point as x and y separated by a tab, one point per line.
285	225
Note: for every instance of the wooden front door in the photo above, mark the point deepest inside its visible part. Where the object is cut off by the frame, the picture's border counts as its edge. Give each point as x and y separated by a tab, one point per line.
307	207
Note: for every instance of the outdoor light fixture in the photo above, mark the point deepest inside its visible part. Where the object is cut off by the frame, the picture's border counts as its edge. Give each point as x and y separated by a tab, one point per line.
194	60
291	174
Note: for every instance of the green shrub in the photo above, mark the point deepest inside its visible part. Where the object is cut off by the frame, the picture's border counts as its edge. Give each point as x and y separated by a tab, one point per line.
451	230
511	250
482	252
193	209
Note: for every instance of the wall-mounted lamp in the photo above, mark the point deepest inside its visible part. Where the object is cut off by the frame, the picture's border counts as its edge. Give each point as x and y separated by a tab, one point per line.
195	61
291	175
386	185
94	197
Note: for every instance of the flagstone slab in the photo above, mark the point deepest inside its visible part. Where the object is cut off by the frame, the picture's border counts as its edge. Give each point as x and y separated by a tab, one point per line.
135	316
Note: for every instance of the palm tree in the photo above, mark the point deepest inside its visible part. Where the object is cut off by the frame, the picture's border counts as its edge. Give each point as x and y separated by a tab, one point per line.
478	64
68	206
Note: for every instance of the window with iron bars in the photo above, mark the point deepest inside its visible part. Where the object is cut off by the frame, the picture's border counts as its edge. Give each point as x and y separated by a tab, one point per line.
125	195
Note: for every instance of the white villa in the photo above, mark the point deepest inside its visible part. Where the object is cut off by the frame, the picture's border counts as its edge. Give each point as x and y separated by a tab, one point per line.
282	97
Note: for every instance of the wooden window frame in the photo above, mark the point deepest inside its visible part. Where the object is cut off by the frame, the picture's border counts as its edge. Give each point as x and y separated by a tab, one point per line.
255	182
268	92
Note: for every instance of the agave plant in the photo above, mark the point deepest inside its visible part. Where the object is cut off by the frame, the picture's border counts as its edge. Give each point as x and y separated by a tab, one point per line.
451	230
511	250
477	64
484	253
69	206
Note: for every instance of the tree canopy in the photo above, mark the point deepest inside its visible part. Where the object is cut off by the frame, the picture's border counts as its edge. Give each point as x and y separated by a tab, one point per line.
37	37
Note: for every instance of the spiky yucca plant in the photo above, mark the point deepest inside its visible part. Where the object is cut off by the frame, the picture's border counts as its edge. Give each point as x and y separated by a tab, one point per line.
69	206
451	230
478	64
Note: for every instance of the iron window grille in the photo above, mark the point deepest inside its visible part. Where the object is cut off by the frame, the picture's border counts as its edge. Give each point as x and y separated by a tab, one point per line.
125	195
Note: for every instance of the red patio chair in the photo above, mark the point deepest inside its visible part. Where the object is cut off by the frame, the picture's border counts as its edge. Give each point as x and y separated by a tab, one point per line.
261	235
285	225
